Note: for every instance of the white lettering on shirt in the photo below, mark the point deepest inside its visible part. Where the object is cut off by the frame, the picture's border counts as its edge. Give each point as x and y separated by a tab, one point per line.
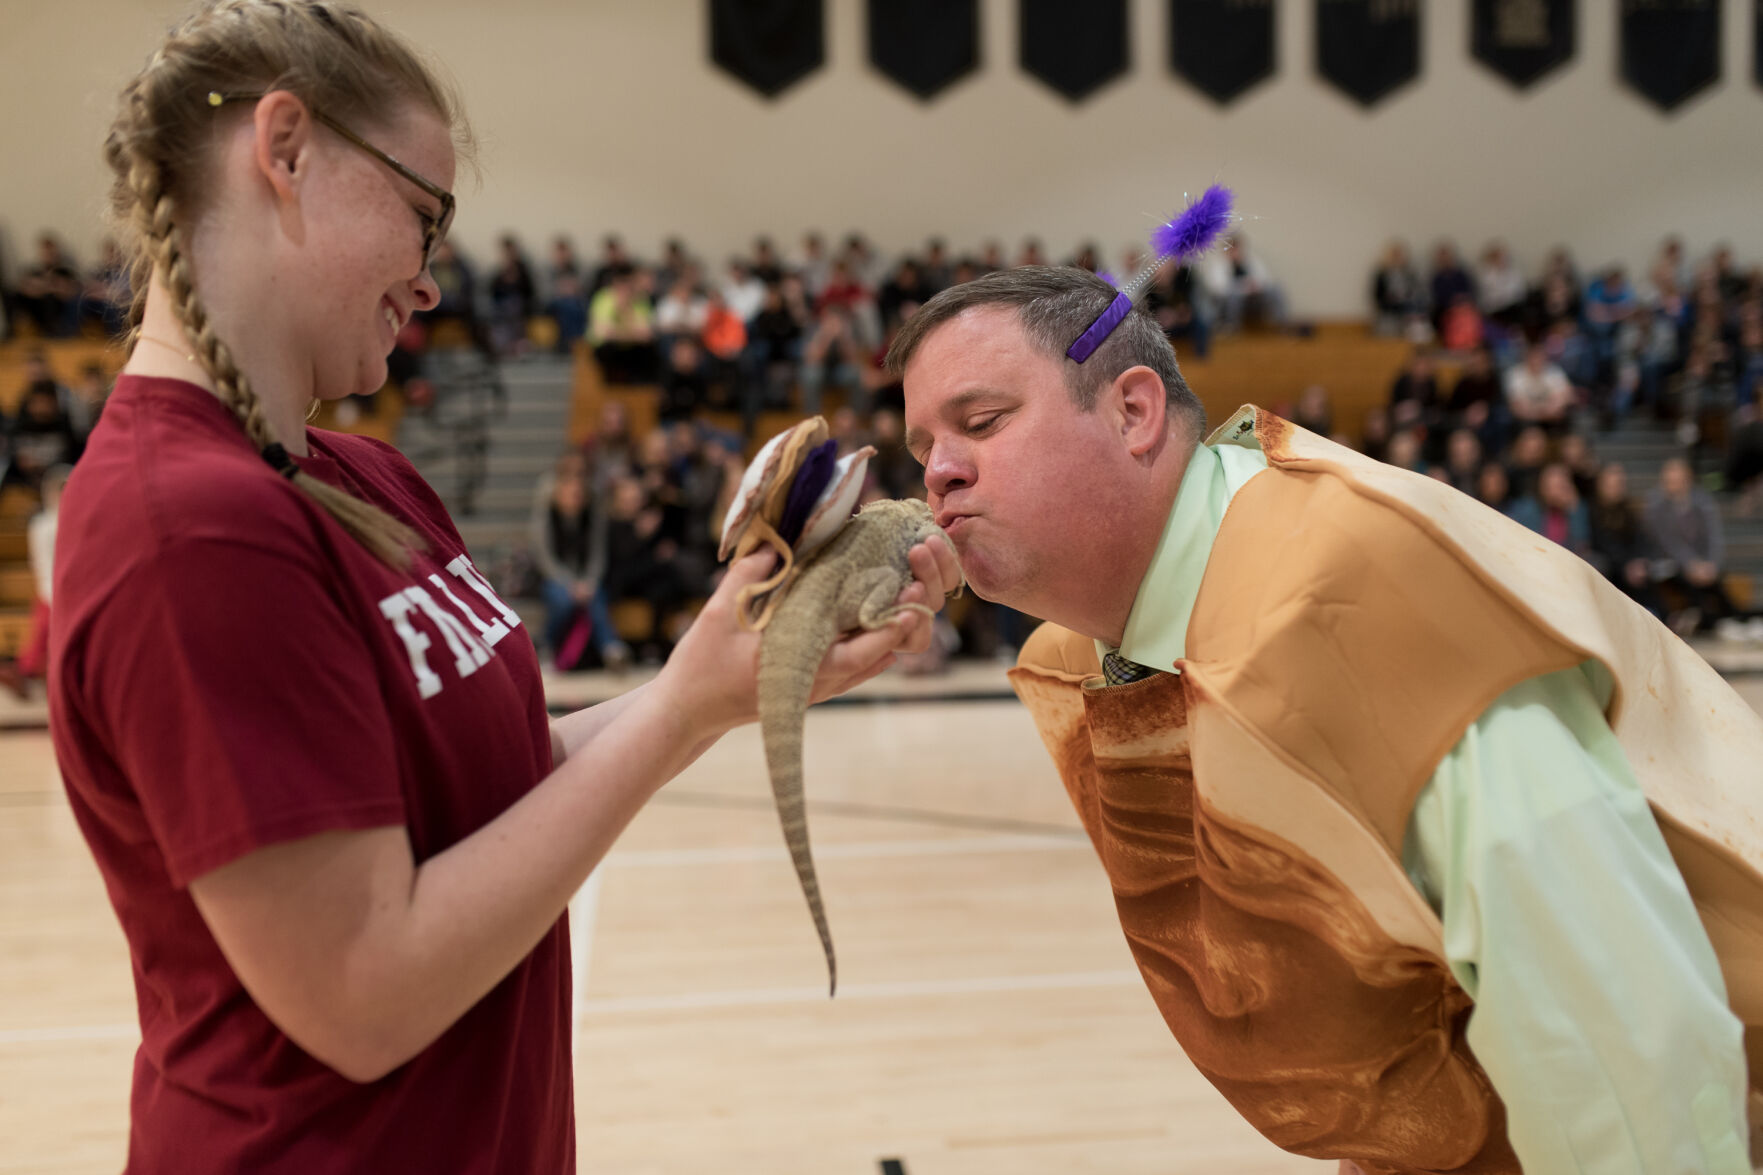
475	580
471	650
396	608
492	632
469	653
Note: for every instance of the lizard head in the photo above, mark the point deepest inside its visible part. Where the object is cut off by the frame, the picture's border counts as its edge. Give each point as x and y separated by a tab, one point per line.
915	518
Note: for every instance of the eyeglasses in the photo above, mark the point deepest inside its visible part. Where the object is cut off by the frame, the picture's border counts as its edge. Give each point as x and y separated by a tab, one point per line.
432	229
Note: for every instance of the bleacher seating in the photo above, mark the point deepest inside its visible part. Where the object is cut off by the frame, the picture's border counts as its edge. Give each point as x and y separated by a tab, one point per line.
67	359
1355	365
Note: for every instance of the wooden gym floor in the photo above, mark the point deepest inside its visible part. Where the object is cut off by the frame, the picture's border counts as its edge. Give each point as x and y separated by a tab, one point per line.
989	1017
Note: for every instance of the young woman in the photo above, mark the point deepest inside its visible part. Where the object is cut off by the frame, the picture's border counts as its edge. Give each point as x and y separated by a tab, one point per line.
306	742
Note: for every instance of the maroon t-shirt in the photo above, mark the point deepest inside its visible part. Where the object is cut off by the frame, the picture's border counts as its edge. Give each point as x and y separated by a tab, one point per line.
230	670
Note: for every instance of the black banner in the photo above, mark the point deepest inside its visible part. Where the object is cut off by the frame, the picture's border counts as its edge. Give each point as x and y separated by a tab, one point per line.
1222	47
924	44
1670	48
1075	46
1367	48
769	44
1521	40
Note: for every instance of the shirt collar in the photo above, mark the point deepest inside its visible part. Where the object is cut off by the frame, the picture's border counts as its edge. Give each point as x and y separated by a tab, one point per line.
1157	627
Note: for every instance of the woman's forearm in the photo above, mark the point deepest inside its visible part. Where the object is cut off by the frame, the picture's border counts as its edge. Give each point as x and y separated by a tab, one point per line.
474	911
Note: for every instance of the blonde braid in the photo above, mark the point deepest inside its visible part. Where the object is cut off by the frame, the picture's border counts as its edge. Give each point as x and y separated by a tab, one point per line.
331	55
116	154
390	540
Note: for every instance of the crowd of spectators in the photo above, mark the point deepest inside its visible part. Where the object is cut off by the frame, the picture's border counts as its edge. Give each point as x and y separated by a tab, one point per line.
39	442
1542	368
1685	343
52	298
1508	380
1510	377
758	332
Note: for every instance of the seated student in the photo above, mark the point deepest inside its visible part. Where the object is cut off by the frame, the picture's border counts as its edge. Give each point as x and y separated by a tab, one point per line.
1397	294
1477	400
695	475
621	329
1744	459
457	283
513	296
1178	301
1609	300
742	290
1683	525
907	284
1619	546
48	293
33	658
774	344
723	338
1405	451
1463	459
767	266
1556	512
1494	490
685	384
1417	382
568	540
1556	296
679	311
1460	325
833	355
41	436
567	304
640	564
1242	286
1538	393
1500	287
1450	281
614	261
1575	452
85	400
1525	461
105	297
1646	349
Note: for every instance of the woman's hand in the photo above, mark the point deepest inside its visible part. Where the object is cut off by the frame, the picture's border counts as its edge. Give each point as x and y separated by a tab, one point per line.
713	673
936	573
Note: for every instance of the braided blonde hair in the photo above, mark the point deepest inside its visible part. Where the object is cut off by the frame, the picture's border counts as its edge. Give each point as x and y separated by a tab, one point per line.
334	58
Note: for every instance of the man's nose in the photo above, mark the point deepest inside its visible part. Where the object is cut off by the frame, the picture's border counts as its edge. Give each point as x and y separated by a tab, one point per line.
946	471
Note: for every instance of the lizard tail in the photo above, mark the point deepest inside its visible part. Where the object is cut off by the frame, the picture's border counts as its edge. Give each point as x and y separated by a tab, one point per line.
788	657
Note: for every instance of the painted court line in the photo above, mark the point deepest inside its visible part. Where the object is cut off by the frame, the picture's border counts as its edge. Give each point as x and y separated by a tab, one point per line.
697	1000
898	989
584	916
857	850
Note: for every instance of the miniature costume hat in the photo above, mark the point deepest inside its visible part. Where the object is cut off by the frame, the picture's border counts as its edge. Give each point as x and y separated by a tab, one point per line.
794	497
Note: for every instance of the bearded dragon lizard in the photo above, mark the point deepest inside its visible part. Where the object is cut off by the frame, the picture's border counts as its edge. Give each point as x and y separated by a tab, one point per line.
850	583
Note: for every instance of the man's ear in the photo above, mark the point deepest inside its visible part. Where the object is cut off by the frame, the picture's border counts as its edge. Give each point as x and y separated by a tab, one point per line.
1143	406
283	150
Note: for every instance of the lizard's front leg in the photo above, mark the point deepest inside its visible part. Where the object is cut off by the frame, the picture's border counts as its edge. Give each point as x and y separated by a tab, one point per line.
874	591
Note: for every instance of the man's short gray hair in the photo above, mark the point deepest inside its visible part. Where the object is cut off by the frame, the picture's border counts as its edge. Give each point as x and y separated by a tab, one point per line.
1055	306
